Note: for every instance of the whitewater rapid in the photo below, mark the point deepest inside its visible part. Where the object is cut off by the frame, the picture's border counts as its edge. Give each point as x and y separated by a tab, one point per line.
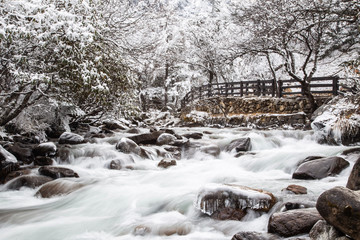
148	202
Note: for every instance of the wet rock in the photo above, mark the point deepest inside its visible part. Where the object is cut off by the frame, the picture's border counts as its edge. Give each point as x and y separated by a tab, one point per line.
296	189
166	139
340	207
57	172
43	161
354	178
240	145
63	153
293	222
254	236
351	151
194	135
213	150
166	162
115	164
308	159
22	152
70	138
127	145
8	163
133	130
45	149
114	125
230	202
27	139
323	230
320	168
58	187
16	174
30	181
146	138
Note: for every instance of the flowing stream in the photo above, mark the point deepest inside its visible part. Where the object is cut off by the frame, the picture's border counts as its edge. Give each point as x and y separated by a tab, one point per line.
149	202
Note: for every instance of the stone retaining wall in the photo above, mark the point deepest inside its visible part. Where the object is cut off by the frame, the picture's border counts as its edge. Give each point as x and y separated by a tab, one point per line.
259	112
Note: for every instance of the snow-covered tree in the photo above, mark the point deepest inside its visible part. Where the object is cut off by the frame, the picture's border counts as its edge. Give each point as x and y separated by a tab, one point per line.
57	49
297	35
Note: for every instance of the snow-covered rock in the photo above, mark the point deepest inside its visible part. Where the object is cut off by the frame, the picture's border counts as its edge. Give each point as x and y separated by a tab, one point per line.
70	138
338	122
127	145
45	149
166	139
228	201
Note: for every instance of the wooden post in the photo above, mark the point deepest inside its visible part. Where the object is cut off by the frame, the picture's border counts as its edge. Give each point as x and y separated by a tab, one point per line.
209	90
200	92
273	87
258	88
241	89
280	89
335	89
226	89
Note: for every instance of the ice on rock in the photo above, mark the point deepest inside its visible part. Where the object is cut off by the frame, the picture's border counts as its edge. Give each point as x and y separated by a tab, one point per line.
215	197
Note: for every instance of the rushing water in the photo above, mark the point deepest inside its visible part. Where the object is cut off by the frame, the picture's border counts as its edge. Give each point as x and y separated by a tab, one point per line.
123	204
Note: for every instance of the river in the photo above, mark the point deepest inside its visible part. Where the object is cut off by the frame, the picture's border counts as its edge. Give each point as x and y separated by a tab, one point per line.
160	203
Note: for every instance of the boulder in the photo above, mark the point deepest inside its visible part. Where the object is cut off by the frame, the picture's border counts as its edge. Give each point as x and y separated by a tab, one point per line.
351	151
194	135
30	181
127	145
16	174
8	163
166	162
58	187
320	168
323	230
354	178
114	125
240	145
308	159
146	138
293	222
47	149
337	122
43	161
22	152
254	236
340	207
230	202
166	139
57	172
213	150
71	138
296	189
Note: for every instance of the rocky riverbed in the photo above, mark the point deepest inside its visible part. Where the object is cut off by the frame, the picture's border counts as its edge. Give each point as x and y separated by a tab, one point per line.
117	182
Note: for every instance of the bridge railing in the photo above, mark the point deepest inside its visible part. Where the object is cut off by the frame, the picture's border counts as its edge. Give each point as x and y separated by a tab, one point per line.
318	86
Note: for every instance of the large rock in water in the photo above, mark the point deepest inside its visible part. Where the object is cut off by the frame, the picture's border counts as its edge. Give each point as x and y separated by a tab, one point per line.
337	122
70	138
166	139
323	230
293	222
254	236
23	152
127	145
47	149
8	163
354	178
30	181
240	145
57	172
230	202
146	138
320	168
58	187
340	207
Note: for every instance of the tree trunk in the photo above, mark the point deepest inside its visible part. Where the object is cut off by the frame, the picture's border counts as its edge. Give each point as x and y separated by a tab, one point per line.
307	93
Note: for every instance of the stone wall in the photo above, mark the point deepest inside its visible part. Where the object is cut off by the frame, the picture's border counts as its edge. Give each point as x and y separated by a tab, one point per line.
259	112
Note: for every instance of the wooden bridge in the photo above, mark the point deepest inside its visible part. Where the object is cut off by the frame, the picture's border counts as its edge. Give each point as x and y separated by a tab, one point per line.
318	86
